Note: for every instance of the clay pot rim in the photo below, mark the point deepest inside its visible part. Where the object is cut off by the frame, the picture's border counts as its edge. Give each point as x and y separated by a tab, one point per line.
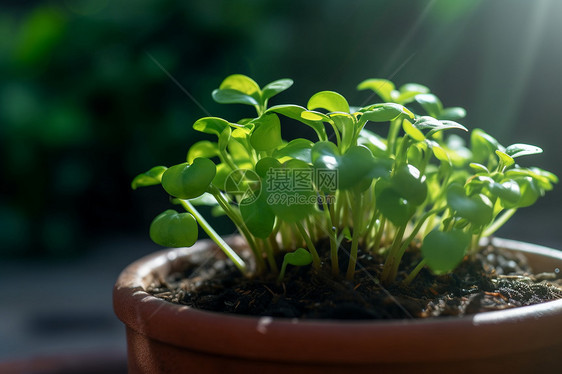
270	338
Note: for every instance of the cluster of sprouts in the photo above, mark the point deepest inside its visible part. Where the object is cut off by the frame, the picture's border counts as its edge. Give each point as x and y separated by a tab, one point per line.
420	186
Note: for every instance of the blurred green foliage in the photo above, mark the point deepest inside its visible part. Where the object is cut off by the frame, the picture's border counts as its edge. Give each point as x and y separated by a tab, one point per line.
84	106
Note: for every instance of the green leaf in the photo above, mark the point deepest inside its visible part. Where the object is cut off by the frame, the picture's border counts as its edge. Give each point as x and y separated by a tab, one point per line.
173	229
544	174
297	148
276	87
224	138
355	167
386	112
290	191
409	184
543	178
508	191
478	209
408	92
206	199
434	125
300	257
240	155
346	125
203	148
483	146
233	97
187	181
413	132
393	206
257	215
149	178
374	142
440	153
530	192
295	112
453	113
238	89
443	251
211	125
265	165
311	115
329	100
267	134
479	168
415	154
325	154
222	173
518	150
505	159
413	87
240	83
430	103
381	87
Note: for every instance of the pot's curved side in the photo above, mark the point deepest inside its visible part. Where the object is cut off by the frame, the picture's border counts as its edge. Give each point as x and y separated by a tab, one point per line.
164	337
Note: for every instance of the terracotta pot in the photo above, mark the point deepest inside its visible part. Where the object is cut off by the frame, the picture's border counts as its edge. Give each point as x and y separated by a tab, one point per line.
168	338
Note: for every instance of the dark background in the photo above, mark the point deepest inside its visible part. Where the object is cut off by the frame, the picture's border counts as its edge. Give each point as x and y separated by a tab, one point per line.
86	102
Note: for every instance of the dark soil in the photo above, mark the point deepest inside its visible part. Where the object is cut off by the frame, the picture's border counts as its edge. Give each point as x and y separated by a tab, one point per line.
494	279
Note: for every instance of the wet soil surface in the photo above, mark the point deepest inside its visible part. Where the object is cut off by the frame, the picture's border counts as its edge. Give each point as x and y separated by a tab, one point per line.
494	279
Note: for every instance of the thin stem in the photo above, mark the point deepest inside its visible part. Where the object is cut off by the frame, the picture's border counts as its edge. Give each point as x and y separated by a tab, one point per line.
237	220
414	272
400	253
336	216
417	228
285	236
499	222
273	242
475	240
388	271
331	235
372	224
228	251
337	133
270	257
228	159
309	244
392	135
378	235
355	236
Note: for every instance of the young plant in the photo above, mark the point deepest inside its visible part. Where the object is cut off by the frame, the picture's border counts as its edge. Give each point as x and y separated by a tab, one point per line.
413	188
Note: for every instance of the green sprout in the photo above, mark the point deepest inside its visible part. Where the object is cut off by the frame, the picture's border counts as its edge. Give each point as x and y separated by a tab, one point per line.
418	188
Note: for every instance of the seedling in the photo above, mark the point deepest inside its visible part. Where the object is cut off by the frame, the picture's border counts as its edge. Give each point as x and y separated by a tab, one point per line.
418	187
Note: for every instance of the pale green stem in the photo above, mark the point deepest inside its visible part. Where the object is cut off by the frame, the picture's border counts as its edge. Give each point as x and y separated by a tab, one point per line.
332	236
417	228
393	134
378	235
270	257
499	222
337	133
400	253
414	272
355	237
388	271
228	251
309	244
237	220
228	159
